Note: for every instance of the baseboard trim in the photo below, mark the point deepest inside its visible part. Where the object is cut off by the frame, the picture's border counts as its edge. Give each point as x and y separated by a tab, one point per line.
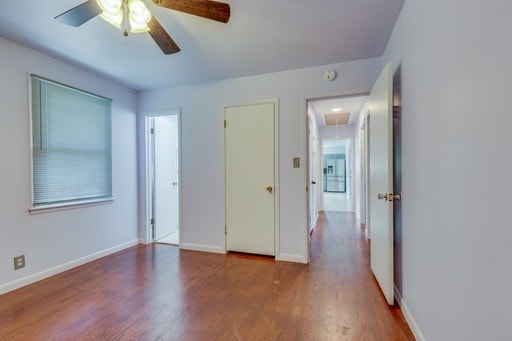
16	284
204	248
408	316
291	258
21	282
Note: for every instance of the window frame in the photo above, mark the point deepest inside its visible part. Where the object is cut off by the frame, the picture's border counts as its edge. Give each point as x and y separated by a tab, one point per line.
41	208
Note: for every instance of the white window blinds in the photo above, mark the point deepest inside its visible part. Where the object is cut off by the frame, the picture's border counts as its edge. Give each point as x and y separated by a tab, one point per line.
71	145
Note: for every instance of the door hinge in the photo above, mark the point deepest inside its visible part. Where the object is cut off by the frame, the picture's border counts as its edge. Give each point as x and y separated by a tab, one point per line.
152	221
225	230
152	131
225	123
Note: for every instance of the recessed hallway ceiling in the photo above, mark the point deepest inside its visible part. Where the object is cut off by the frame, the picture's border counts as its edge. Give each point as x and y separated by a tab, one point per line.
262	36
322	108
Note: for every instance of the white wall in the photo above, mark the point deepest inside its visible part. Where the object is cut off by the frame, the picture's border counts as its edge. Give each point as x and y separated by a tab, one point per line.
54	241
203	145
334	150
456	163
343	131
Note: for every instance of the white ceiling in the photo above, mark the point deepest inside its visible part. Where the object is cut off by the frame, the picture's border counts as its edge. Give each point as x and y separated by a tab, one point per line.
262	36
353	105
333	143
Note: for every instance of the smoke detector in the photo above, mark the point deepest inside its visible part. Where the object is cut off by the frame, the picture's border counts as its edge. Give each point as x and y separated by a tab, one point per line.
330	75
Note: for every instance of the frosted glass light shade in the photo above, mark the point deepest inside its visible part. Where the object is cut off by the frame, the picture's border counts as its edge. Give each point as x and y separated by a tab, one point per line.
112	11
139	16
111	7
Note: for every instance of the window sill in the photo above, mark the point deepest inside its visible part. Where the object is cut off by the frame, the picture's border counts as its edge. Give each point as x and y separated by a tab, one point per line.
69	205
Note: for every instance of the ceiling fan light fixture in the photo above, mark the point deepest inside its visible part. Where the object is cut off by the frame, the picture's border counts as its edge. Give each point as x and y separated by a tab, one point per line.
115	20
135	16
112	11
111	7
139	16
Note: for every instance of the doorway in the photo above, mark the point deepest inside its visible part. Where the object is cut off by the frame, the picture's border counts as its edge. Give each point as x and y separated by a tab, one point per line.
328	119
336	174
375	171
333	184
164	174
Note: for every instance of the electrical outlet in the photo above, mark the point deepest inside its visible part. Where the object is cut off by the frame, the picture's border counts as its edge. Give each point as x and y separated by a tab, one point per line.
19	262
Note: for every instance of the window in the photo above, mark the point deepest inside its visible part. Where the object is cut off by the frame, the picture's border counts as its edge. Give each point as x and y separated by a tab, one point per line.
71	145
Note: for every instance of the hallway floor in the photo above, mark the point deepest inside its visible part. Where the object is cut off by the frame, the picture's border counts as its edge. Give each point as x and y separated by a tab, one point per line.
159	292
336	202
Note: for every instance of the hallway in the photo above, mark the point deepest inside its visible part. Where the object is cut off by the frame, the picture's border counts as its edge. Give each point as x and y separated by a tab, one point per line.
336	202
349	289
151	292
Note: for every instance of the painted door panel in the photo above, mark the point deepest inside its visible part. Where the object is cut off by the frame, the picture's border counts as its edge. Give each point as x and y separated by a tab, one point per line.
250	178
165	176
381	182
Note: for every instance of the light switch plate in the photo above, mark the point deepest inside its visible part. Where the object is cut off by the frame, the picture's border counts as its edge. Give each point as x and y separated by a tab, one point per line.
296	162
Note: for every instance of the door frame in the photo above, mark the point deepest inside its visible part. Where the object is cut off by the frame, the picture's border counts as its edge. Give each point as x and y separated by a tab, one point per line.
305	148
147	235
275	101
313	196
366	177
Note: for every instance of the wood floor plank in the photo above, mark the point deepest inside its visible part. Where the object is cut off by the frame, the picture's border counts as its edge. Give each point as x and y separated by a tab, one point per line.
158	292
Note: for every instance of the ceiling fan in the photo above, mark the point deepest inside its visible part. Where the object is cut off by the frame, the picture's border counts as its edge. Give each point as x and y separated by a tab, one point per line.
134	16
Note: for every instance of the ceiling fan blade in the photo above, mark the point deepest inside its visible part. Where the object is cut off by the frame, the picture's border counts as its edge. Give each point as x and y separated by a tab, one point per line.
208	9
80	14
161	38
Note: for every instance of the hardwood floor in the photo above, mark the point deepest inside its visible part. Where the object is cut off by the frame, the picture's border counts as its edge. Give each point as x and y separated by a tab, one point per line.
158	292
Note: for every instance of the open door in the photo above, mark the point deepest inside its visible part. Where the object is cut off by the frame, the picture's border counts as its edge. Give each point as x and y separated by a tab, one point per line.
381	182
165	176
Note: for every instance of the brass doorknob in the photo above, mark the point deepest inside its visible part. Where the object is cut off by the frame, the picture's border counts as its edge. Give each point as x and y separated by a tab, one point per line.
270	189
390	197
382	196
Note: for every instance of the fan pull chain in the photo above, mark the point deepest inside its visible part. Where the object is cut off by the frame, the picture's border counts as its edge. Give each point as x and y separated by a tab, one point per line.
125	20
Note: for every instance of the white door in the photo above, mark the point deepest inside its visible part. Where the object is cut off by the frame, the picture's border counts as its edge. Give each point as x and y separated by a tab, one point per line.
362	199
312	206
250	178
174	203
165	188
381	182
